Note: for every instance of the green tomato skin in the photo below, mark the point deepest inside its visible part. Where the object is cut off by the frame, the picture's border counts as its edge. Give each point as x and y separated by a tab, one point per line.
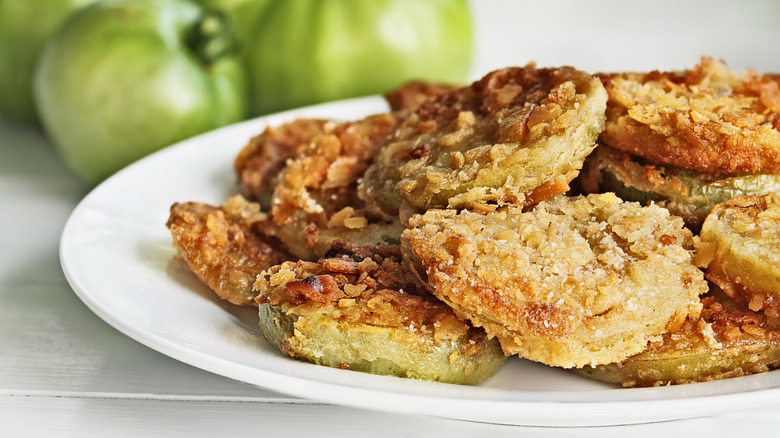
25	26
119	82
308	51
240	12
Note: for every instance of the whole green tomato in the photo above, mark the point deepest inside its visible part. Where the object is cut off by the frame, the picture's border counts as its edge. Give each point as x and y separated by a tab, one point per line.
308	51
25	26
124	78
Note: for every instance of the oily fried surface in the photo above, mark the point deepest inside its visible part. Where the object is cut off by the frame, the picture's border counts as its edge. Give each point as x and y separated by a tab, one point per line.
367	312
222	247
688	194
728	340
575	281
409	96
315	199
259	163
707	119
740	241
495	142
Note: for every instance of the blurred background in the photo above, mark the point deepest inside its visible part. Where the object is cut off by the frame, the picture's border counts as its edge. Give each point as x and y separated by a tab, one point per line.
604	35
105	95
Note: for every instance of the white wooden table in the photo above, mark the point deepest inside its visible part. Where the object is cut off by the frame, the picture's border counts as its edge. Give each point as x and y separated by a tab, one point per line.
65	372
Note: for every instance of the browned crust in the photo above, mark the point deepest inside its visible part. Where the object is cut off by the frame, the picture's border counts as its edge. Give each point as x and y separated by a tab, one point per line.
222	248
766	301
322	178
745	275
492	142
409	96
375	290
315	201
259	163
707	119
727	340
573	281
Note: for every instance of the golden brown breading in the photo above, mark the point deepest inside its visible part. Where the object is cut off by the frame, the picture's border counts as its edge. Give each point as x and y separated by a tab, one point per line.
492	143
741	250
315	200
574	281
222	246
368	313
259	163
707	119
495	262
409	96
728	340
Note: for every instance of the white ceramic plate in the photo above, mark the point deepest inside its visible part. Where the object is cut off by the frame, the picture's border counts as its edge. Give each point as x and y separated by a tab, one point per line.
116	253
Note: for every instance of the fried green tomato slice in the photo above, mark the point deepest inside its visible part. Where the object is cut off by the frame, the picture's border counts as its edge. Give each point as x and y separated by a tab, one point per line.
728	340
574	281
685	193
741	250
315	201
708	119
259	163
365	315
223	246
516	136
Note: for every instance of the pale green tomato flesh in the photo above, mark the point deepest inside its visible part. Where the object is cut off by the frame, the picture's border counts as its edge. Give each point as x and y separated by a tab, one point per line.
688	194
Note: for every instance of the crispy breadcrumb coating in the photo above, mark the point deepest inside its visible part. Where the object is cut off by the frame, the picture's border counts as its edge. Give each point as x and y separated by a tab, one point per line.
685	193
409	96
259	163
741	250
708	119
496	261
370	314
495	142
315	200
223	246
728	340
575	281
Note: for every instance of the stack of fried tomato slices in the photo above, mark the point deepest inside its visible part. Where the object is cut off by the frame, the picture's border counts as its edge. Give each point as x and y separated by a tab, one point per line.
623	225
